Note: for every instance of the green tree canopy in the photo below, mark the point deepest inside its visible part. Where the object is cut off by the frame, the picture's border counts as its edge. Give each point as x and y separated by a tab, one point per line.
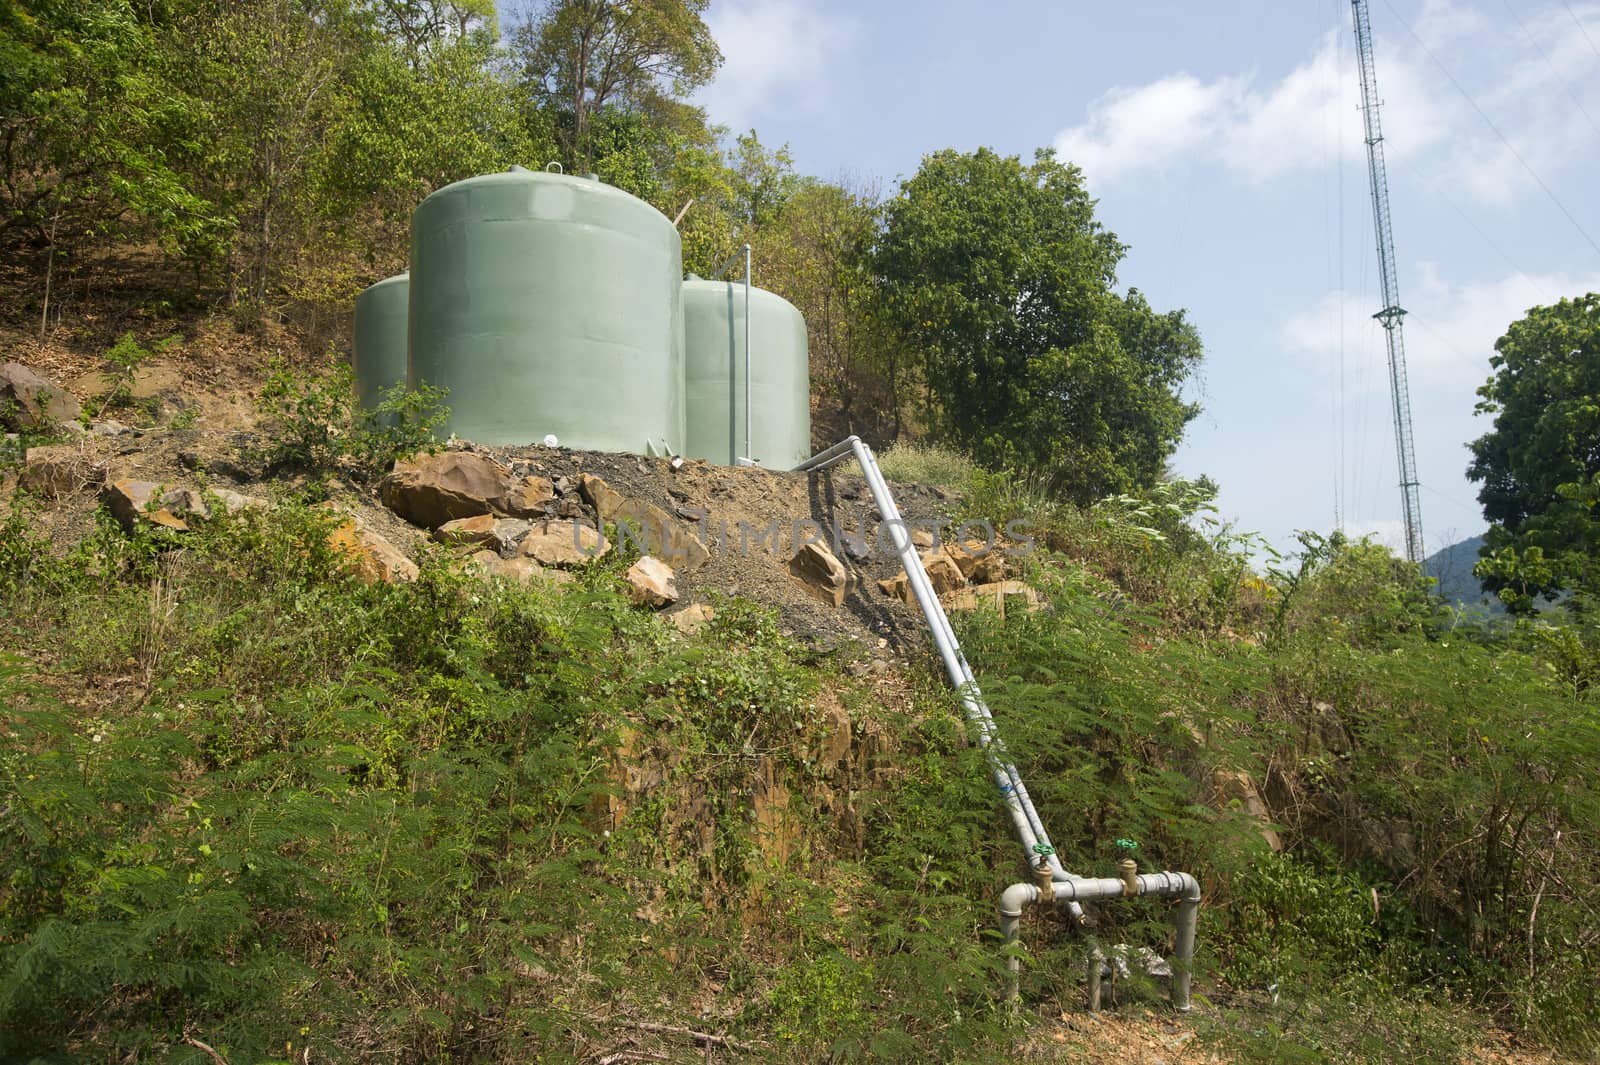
579	56
997	277
1540	464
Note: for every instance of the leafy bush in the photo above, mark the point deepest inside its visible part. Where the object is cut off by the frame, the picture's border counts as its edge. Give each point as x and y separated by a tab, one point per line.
318	426
124	358
372	820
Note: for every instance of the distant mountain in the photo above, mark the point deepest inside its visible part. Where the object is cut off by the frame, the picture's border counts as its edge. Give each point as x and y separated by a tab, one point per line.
1452	568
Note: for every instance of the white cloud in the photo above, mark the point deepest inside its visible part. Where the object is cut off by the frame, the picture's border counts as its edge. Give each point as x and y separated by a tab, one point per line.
1450	328
1535	81
1305	119
1150	125
1450	332
774	52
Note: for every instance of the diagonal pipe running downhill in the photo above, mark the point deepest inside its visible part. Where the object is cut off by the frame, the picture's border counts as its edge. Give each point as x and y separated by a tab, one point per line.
1052	882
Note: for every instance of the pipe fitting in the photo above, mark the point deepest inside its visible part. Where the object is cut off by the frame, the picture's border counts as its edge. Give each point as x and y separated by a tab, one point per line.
1012	900
1128	873
1046	881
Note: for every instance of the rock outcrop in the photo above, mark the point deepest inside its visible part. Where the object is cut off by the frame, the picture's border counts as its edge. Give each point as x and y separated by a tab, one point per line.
651	583
563	544
823	575
374	559
996	596
652	530
31	402
431	490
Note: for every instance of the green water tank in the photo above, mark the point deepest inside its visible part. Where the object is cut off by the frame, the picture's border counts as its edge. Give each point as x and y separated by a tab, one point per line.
380	339
714	376
549	305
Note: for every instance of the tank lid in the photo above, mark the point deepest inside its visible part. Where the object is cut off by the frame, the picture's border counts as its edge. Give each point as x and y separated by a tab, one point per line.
517	169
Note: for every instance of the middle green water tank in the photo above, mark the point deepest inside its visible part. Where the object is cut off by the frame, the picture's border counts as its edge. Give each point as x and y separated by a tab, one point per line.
549	305
714	367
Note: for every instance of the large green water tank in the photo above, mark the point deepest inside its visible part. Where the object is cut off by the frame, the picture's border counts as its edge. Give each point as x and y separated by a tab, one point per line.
549	305
380	339
714	372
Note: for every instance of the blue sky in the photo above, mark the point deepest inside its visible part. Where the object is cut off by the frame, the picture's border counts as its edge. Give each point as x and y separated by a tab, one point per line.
1224	144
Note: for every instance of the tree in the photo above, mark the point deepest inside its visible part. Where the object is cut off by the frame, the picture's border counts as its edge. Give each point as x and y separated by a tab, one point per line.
996	274
1540	464
816	252
90	111
579	56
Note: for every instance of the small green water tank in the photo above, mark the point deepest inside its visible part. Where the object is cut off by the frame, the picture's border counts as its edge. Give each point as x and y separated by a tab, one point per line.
380	339
714	376
549	305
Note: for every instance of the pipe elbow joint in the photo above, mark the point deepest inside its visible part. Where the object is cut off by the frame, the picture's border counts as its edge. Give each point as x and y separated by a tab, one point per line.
1014	898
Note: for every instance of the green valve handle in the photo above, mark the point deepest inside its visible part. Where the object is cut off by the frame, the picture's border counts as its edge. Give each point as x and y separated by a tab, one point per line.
1043	850
1127	846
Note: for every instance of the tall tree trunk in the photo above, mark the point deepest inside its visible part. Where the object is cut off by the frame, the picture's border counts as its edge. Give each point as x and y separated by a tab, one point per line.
49	273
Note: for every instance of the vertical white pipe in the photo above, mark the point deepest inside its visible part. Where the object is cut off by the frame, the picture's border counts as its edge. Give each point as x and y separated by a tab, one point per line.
747	451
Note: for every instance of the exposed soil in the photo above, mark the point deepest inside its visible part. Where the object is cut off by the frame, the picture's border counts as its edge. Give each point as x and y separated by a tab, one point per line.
741	506
750	519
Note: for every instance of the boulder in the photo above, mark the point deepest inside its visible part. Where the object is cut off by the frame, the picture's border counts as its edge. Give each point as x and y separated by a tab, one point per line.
943	572
898	587
483	530
979	563
430	490
855	547
520	568
651	583
30	402
599	495
134	502
822	575
1236	789
527	497
374	559
995	596
563	544
58	470
660	535
232	502
691	619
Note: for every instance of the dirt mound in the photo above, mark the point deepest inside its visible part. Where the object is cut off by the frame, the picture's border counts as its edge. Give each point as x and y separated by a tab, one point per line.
751	520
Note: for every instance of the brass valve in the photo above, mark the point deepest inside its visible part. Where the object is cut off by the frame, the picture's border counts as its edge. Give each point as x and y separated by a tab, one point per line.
1128	872
1046	881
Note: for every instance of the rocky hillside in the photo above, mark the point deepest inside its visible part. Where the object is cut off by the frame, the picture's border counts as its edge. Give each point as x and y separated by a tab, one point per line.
519	754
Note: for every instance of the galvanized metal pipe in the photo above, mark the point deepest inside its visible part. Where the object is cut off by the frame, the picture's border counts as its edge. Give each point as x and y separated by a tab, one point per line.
746	459
1036	844
1066	889
1035	841
748	452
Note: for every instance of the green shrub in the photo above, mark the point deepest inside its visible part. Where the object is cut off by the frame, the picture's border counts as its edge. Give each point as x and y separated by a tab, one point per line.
316	424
